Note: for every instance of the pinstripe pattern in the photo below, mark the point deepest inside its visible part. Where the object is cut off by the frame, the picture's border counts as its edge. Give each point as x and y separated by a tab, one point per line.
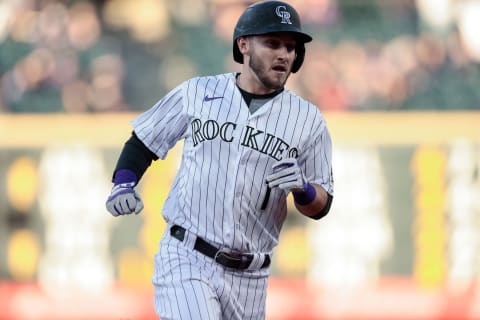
220	186
188	285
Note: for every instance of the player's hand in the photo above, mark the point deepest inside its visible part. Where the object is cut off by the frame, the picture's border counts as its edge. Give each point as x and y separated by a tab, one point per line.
287	175
124	200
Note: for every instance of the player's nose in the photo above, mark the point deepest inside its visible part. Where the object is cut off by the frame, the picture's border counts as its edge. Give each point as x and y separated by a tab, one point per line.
284	51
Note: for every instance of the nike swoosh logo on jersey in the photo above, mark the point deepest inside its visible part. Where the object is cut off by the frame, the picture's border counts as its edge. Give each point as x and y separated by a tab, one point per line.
207	98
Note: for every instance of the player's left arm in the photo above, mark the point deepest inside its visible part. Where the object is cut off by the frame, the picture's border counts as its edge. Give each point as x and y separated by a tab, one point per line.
309	180
311	199
319	205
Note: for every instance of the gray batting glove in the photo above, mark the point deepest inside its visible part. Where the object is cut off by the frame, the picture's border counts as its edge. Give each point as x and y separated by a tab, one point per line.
124	200
287	175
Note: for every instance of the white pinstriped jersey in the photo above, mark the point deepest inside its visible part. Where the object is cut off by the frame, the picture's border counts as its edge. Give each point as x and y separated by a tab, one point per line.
220	193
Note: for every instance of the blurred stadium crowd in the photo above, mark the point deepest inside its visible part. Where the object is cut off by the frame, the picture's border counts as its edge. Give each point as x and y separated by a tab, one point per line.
119	55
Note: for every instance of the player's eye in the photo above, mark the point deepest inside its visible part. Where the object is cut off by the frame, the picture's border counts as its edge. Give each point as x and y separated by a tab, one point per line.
273	44
290	47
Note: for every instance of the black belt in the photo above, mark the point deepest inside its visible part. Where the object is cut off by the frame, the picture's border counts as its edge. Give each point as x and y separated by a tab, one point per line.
227	259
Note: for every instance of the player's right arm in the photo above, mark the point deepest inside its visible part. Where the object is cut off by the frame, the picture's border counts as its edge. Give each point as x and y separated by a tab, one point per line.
155	132
134	160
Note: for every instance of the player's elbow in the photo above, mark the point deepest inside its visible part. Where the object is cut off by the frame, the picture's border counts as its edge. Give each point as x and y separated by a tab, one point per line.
325	210
318	216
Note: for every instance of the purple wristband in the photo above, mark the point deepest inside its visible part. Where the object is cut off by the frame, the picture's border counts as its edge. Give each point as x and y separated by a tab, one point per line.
305	197
124	176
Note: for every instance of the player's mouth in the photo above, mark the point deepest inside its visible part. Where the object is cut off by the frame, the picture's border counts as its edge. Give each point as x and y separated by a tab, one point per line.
280	68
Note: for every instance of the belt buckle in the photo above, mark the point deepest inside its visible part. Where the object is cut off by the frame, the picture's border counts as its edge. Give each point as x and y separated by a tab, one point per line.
244	261
241	261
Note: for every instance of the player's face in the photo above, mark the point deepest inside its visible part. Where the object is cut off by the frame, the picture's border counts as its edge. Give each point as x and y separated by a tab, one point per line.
270	59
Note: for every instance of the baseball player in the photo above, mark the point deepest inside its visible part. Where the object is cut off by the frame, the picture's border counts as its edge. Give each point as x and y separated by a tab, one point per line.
248	143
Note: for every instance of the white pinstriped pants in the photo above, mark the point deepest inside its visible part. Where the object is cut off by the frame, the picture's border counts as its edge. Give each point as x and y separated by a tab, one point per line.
189	285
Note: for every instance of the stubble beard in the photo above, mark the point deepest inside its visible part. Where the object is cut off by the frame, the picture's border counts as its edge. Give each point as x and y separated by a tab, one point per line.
261	72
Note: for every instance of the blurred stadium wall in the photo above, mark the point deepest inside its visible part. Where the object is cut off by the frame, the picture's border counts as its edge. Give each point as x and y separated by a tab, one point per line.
401	240
398	82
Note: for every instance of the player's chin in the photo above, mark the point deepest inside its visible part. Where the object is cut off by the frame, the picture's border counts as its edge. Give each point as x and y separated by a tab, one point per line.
279	76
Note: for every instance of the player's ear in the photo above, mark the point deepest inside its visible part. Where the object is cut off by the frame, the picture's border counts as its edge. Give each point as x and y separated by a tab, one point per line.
242	43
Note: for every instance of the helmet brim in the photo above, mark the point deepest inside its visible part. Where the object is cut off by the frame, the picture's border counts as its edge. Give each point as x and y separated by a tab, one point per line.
301	38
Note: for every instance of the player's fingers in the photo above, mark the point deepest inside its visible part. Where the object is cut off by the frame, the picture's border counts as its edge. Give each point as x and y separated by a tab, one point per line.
284	163
138	203
124	204
139	206
117	208
130	204
133	201
280	167
111	208
281	180
279	174
291	185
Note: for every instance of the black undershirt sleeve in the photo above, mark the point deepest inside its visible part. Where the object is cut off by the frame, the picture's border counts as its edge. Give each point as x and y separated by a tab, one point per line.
135	156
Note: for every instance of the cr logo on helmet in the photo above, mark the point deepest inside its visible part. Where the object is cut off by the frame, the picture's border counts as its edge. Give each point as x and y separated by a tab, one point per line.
284	14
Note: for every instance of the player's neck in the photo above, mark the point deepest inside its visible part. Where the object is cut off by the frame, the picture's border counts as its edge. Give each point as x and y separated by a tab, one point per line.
259	99
246	82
